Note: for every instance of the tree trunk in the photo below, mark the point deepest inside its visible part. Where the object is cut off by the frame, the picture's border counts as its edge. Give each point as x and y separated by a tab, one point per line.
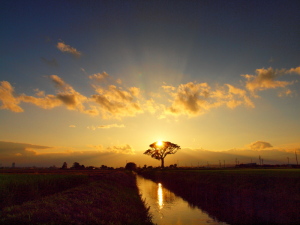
162	163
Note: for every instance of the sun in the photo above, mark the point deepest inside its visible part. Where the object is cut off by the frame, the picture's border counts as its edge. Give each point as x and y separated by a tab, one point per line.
159	143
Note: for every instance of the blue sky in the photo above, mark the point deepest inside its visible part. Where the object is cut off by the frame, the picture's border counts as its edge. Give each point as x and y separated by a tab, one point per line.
111	77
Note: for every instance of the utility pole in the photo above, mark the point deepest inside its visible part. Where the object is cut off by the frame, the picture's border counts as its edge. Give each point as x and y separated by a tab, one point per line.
296	157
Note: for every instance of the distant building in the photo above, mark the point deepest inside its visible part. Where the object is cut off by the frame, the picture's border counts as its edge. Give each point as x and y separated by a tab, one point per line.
13	165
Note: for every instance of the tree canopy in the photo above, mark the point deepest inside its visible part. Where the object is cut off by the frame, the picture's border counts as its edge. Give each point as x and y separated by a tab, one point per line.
160	149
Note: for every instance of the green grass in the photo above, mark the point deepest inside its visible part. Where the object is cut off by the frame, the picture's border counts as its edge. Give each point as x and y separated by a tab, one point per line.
18	188
108	199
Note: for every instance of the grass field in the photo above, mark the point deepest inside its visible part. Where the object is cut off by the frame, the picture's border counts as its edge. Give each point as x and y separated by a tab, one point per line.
90	198
238	196
18	188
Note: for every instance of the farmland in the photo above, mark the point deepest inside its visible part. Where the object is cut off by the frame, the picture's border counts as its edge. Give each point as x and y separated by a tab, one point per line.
71	197
238	196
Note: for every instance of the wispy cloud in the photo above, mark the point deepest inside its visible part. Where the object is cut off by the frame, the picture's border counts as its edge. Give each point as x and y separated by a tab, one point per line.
67	48
108	126
99	76
111	126
119	149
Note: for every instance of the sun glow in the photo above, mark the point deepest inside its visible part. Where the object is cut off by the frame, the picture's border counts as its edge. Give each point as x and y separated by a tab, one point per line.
159	143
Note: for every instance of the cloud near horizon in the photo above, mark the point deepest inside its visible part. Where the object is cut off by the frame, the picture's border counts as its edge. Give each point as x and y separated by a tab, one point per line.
24	154
115	101
108	126
96	155
118	149
260	145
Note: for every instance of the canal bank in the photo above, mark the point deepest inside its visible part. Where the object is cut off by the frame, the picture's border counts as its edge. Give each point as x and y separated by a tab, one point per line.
166	208
237	196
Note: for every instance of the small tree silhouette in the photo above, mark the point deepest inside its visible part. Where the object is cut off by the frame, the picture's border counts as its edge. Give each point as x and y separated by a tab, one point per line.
130	166
160	149
64	166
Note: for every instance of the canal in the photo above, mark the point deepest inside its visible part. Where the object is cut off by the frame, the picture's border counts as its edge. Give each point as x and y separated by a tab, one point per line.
168	208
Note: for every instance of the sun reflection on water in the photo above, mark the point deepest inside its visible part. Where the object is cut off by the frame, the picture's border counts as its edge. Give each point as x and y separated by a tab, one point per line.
160	196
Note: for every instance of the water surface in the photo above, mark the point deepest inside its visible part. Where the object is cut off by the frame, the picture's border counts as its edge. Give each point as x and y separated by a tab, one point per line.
168	208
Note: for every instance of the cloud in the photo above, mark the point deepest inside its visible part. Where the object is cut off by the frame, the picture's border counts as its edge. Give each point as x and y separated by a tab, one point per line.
231	97
72	126
72	99
260	145
19	149
9	101
266	79
190	98
194	98
119	149
116	102
99	76
294	70
37	155
59	82
46	102
111	126
67	48
108	126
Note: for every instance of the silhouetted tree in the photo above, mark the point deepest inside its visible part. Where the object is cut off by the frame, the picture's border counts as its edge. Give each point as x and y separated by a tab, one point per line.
130	166
103	167
159	150
77	166
64	166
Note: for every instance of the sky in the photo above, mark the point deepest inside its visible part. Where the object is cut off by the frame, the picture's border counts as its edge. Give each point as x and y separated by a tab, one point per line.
98	81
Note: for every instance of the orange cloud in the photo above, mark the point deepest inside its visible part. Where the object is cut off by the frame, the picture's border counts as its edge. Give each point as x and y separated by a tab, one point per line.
99	76
9	101
265	79
67	48
47	102
71	98
294	70
116	102
193	98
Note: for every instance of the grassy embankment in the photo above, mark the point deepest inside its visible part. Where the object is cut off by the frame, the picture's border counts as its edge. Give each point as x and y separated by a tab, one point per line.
108	198
241	196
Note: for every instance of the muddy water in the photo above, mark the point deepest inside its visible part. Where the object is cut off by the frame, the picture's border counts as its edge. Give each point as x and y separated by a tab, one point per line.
168	208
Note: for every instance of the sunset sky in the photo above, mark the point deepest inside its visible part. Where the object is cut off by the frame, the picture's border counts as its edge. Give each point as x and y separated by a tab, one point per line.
98	81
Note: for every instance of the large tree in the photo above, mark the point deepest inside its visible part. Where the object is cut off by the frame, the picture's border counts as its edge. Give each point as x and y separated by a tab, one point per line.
160	149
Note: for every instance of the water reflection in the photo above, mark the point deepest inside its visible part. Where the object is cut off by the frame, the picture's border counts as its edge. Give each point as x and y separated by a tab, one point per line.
167	208
160	196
